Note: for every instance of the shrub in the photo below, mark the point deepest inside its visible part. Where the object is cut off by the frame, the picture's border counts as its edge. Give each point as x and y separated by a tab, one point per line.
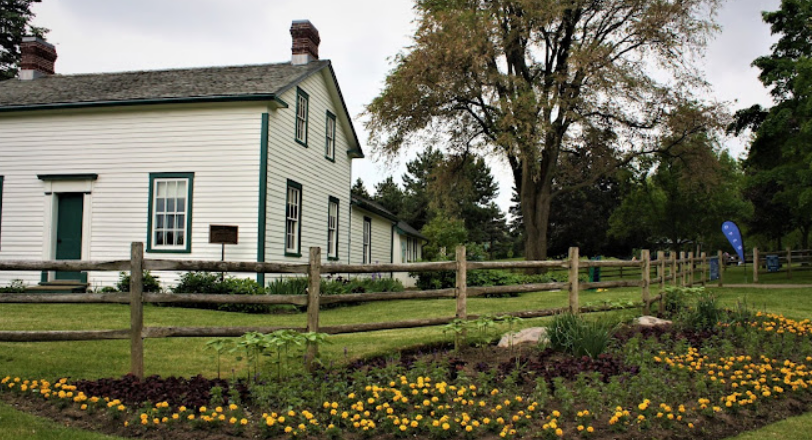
207	282
483	277
573	334
705	314
677	299
151	283
16	286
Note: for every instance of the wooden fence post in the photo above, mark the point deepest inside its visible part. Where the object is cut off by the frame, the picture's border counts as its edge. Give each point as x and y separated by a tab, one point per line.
313	291
573	279
645	255
674	268
661	275
789	263
690	269
703	259
462	283
755	265
137	310
722	264
682	267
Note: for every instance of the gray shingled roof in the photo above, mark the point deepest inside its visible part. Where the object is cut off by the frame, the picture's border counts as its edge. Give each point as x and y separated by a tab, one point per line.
176	84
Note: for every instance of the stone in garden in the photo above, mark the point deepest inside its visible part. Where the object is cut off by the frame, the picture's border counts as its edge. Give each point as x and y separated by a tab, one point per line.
529	335
651	321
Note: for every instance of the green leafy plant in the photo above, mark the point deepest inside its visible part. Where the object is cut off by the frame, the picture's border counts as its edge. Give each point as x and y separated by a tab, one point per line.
16	286
458	329
220	346
151	282
580	337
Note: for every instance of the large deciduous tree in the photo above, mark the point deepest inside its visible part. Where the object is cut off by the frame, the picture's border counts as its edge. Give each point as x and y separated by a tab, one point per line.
778	163
15	22
531	80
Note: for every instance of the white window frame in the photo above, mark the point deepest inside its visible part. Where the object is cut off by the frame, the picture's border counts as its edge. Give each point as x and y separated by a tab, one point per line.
332	228
293	219
330	137
160	214
367	247
302	104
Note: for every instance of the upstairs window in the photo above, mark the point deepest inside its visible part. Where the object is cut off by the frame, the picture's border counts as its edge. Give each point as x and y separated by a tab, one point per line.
330	137
367	240
332	229
170	218
293	220
301	116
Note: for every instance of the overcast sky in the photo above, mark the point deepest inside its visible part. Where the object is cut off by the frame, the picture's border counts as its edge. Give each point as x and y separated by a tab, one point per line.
359	36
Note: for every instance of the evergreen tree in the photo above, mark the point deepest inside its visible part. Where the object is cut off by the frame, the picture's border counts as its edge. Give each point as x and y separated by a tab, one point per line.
389	195
359	190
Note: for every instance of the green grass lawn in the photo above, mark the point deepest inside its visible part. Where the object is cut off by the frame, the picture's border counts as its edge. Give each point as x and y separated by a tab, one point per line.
186	357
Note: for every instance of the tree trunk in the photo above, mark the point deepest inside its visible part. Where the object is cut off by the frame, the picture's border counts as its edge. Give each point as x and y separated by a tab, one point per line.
536	198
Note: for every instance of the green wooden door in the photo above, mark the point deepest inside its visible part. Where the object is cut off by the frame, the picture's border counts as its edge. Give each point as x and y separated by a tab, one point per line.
69	232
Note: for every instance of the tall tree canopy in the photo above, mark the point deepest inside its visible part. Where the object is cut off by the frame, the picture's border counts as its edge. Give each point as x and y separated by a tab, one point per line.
15	22
389	195
532	80
778	163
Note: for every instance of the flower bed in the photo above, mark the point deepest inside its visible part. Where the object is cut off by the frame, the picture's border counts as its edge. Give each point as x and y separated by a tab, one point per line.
668	382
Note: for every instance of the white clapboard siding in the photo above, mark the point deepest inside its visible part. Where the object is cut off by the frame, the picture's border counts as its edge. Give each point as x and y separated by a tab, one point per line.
381	237
400	247
220	144
320	178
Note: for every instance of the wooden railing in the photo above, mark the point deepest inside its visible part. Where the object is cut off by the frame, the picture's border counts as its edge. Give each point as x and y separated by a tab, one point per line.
680	271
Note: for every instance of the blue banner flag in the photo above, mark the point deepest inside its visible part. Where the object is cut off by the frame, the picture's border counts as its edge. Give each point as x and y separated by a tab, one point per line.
734	236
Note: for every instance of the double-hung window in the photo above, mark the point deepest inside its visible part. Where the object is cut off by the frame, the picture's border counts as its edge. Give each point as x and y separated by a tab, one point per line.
170	213
367	240
409	249
330	137
332	229
301	116
293	220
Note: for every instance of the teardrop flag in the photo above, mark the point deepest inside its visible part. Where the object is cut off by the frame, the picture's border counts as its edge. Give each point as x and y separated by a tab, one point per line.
734	236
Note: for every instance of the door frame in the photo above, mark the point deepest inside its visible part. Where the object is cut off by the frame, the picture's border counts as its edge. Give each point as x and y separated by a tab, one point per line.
55	184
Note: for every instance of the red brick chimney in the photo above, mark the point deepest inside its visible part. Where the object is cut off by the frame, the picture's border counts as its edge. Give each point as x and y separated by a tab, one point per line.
38	57
305	42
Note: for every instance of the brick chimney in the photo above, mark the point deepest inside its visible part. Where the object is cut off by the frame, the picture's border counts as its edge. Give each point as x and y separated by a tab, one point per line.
38	57
305	42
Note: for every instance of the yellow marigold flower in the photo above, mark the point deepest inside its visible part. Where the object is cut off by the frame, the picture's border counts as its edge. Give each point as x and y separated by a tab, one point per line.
590	429
446	426
202	409
288	429
556	414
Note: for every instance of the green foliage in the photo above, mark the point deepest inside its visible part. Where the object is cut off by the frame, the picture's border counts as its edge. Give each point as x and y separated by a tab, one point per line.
483	277
359	189
207	282
16	286
705	313
15	23
389	195
777	164
443	232
677	299
151	282
573	334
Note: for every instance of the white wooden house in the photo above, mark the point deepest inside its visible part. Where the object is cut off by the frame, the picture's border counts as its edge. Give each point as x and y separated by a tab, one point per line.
383	238
90	163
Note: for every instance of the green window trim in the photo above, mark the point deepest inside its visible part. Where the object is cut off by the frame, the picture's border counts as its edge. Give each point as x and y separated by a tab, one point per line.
298	253
1	209
337	238
300	131
262	204
190	177
330	137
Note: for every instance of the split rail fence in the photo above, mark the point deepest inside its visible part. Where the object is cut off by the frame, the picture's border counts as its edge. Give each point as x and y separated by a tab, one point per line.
801	259
679	270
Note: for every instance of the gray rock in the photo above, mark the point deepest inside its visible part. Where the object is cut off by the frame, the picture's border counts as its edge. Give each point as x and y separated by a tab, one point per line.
532	335
651	321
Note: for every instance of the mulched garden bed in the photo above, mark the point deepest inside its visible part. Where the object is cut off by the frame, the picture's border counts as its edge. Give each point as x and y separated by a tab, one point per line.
523	366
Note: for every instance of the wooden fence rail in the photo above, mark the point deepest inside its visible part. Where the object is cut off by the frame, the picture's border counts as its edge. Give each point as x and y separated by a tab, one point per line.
312	300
